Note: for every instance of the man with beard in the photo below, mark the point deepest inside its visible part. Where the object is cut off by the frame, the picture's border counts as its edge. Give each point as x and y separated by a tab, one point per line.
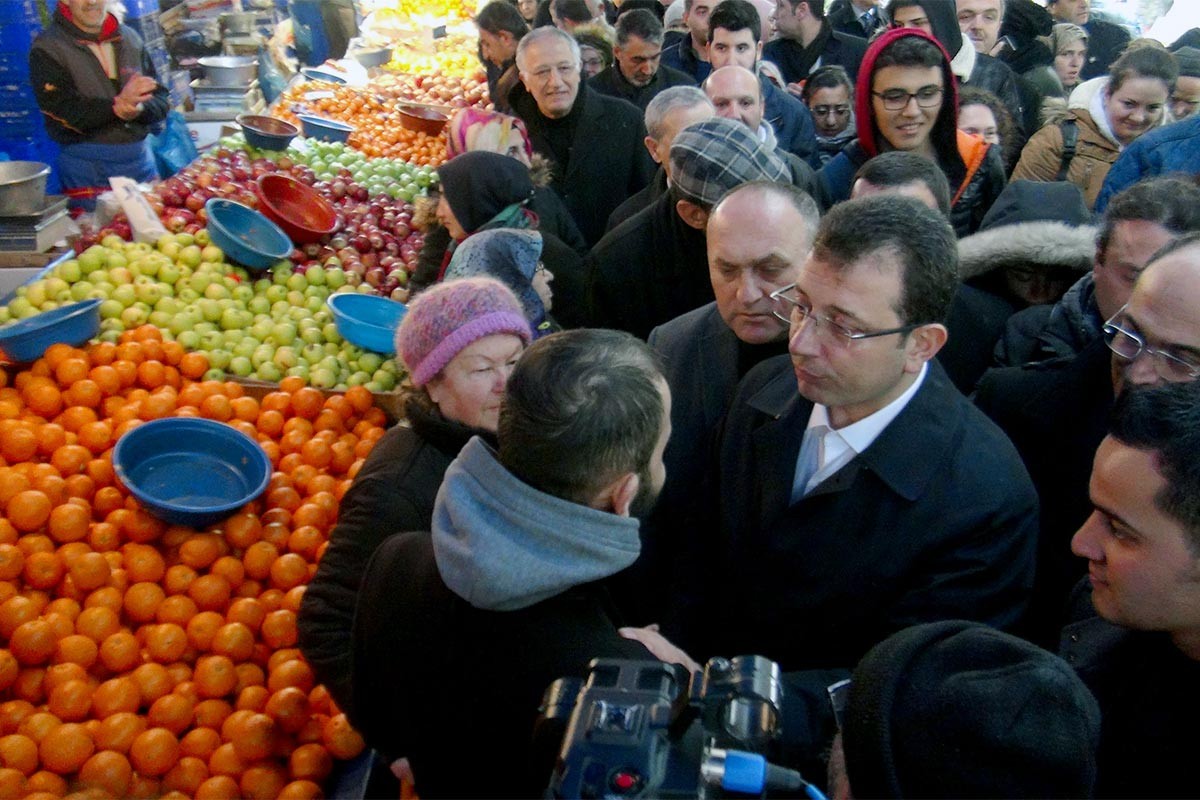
521	542
637	74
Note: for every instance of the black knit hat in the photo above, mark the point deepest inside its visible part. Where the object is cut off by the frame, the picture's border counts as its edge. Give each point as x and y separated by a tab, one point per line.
1188	59
957	709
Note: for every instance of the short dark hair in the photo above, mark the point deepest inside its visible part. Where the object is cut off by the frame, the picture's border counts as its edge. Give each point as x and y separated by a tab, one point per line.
1165	420
576	11
653	6
1171	202
1143	59
733	16
899	167
830	76
581	408
918	236
909	51
640	23
497	17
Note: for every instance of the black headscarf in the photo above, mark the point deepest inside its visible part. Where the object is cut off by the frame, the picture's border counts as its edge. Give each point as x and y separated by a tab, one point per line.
479	185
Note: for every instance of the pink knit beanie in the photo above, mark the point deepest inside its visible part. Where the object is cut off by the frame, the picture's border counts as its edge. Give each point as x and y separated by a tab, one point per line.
448	317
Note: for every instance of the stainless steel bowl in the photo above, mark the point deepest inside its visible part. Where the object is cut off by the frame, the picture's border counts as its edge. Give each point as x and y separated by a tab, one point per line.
22	187
230	71
373	58
238	24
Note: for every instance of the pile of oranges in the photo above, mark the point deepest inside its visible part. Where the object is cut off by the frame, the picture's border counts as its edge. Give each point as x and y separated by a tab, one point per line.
152	660
376	120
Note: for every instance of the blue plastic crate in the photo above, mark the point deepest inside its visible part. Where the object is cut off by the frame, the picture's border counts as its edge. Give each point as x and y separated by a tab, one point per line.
17	37
16	95
136	9
19	11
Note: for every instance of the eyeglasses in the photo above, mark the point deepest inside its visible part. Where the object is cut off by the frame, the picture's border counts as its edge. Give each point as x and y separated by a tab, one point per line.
1129	345
897	99
825	111
827	330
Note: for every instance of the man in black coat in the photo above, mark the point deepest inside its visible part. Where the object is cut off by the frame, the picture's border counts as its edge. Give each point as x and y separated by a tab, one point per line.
460	630
863	18
757	237
858	492
1135	643
654	267
594	141
807	40
637	74
1055	412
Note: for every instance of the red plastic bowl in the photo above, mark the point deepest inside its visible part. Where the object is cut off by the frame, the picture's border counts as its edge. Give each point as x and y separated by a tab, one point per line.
303	214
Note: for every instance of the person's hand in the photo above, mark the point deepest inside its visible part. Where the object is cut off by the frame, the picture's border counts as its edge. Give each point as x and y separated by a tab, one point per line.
137	90
796	89
659	646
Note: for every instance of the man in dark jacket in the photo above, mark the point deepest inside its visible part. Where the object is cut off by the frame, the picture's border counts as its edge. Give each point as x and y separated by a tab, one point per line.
862	18
668	113
858	492
757	237
806	40
1137	223
99	97
594	141
460	630
654	267
1106	41
636	73
500	28
1054	412
1135	643
734	31
689	53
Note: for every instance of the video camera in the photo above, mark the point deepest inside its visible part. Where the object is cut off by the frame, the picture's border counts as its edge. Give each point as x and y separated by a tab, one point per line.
648	729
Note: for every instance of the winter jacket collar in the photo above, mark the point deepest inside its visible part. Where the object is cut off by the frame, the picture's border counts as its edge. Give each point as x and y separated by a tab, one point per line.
502	545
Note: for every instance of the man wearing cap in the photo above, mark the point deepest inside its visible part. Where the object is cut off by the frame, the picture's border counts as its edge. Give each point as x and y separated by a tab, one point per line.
654	266
957	709
593	141
857	491
1135	631
637	74
1056	413
460	628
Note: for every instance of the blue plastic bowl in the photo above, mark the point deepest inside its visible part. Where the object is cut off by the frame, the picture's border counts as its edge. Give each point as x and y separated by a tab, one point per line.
72	324
267	133
367	320
327	130
245	235
189	470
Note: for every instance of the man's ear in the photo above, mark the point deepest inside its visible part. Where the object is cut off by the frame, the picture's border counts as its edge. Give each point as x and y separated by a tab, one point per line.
695	216
652	146
525	81
924	343
617	496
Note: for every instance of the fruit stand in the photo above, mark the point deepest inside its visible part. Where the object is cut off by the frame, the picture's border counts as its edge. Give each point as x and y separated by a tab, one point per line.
147	658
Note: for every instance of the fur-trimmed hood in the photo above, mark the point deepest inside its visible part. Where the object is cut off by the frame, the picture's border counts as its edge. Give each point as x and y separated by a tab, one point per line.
1042	243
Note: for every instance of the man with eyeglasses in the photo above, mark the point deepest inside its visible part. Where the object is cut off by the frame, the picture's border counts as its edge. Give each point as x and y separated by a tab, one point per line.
593	141
1134	636
857	491
636	74
1056	414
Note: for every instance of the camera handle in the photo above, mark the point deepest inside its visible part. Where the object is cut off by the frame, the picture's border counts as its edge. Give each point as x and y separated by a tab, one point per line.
750	773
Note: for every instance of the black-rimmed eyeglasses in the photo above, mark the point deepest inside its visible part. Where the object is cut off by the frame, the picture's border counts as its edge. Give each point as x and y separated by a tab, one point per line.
897	99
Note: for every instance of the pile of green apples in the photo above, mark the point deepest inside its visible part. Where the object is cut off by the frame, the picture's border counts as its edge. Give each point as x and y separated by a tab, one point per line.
264	326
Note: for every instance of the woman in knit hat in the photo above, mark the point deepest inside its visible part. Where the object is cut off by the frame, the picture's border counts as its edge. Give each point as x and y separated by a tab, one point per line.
459	342
513	257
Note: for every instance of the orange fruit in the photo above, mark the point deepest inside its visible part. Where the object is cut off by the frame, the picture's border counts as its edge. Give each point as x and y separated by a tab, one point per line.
186	776
234	640
154	751
143	563
153	681
142	601
65	749
178	608
263	781
28	510
173	712
340	738
202	628
43	570
69	523
19	752
90	571
114	697
279	629
74	649
117	731
97	622
33	642
120	651
200	742
108	770
166	642
289	707
310	762
71	700
214	676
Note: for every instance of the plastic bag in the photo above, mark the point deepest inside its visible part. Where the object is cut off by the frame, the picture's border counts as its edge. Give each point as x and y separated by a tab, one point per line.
173	148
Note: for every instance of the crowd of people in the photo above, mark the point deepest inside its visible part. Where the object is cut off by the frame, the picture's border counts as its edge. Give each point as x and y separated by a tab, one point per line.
864	338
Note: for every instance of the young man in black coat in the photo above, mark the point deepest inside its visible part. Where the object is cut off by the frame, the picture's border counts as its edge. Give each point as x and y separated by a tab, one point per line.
594	141
807	40
460	630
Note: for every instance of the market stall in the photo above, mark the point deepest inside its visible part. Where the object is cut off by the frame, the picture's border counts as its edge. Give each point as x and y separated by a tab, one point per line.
149	654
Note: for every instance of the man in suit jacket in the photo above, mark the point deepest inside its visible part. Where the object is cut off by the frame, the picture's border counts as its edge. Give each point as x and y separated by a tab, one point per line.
807	40
863	18
858	491
758	236
594	141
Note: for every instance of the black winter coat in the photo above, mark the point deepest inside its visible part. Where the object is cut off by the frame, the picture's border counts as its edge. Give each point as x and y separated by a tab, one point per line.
1106	41
609	161
456	689
1056	413
393	492
611	82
